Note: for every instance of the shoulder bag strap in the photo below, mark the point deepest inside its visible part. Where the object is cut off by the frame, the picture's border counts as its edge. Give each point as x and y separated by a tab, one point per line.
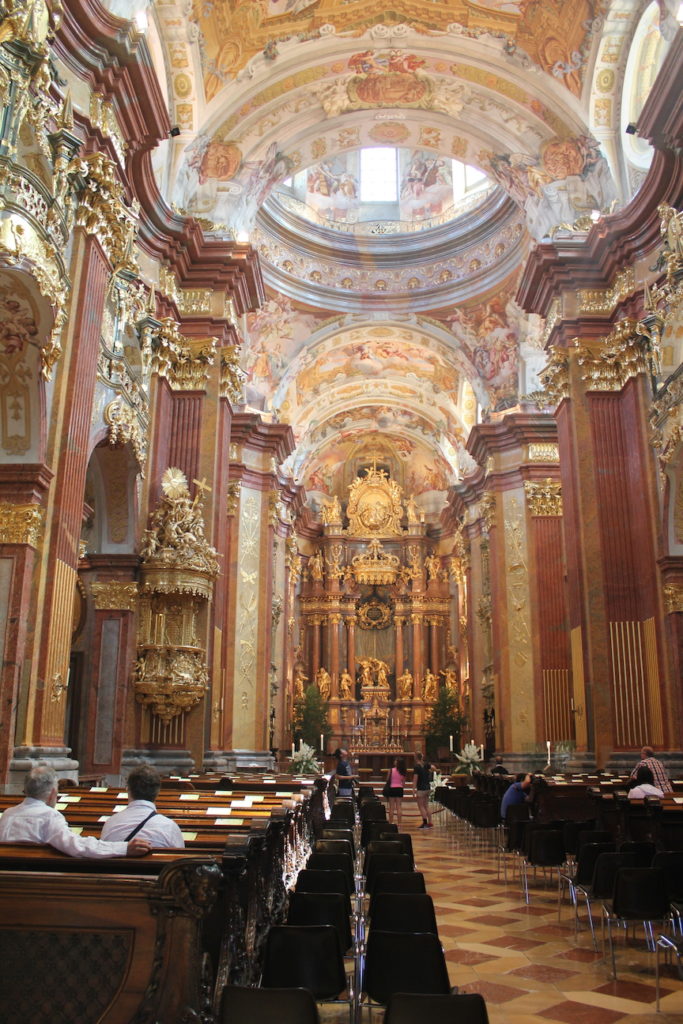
138	827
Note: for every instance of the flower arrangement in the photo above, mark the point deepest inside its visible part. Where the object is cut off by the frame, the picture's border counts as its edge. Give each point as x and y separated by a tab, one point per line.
303	761
470	758
435	781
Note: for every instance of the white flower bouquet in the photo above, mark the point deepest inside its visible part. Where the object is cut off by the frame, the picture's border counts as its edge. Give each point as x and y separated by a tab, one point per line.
469	758
303	761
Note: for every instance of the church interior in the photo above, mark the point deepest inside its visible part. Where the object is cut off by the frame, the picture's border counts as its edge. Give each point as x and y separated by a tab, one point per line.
341	371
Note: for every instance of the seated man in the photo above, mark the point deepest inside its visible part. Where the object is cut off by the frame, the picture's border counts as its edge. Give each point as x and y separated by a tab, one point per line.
35	820
518	792
659	773
644	785
499	768
141	816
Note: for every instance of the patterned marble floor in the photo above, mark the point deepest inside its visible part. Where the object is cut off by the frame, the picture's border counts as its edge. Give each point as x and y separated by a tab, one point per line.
527	963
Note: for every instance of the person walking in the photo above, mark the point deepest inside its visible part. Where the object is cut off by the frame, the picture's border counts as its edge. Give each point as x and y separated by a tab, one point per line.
396	782
422	777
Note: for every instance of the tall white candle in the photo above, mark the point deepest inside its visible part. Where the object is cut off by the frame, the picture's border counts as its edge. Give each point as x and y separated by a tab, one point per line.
322	742
292	750
450	743
547	743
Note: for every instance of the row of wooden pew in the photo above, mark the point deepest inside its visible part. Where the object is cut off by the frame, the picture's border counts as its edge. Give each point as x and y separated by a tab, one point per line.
141	940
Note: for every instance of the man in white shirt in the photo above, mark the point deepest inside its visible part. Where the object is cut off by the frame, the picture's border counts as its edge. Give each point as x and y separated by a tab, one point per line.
35	820
141	818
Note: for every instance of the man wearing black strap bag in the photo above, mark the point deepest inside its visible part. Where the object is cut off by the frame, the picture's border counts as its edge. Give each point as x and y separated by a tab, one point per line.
141	818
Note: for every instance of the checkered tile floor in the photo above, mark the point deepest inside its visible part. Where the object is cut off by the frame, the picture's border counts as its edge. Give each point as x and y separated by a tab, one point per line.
528	964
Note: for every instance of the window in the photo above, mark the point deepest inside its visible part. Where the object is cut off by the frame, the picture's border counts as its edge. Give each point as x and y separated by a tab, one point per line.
378	178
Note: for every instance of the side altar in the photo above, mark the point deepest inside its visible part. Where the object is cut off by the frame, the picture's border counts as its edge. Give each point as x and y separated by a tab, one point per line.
378	610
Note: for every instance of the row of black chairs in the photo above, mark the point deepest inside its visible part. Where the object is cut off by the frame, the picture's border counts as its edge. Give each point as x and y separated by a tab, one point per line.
360	929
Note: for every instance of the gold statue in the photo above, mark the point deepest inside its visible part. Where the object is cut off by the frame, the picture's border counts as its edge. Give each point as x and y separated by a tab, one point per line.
430	684
404	685
331	512
450	678
346	685
315	565
299	680
324	683
382	675
365	674
432	565
411	510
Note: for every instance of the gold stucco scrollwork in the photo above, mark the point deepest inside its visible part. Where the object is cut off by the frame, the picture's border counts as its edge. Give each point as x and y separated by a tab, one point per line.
331	513
20	524
544	452
124	427
544	497
102	211
604	301
487	510
554	378
113	595
673	598
232	498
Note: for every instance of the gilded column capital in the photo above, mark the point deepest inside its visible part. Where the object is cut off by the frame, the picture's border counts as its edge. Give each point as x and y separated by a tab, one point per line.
232	377
189	371
610	363
603	301
544	497
417	619
334	618
20	524
673	598
113	595
554	378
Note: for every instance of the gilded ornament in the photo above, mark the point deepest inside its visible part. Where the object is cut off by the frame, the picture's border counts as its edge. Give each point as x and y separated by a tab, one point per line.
374	614
170	682
176	556
189	371
331	513
113	595
553	318
20	524
544	452
195	301
554	378
124	428
487	510
58	687
375	567
544	497
604	301
232	377
168	285
102	211
374	505
673	598
335	570
621	356
103	116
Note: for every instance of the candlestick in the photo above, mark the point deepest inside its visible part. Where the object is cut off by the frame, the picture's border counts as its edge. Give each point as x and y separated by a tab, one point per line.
547	743
481	751
450	743
322	742
292	749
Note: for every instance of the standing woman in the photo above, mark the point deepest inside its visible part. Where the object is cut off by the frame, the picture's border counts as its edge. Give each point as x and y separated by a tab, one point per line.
397	780
422	778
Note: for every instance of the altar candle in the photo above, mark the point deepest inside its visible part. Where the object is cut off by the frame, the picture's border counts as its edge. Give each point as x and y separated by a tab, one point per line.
547	743
481	752
322	741
292	749
450	743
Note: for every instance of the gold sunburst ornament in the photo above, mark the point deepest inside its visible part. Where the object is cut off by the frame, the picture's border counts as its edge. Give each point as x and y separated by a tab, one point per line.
174	483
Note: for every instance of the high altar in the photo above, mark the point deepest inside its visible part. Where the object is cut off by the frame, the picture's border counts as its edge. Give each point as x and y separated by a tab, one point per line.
375	619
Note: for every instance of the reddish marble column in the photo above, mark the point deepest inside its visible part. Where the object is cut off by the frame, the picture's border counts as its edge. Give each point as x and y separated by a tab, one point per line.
351	645
418	653
434	646
399	622
333	621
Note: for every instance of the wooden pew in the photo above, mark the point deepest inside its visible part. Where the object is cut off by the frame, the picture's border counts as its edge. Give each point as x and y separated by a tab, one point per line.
110	948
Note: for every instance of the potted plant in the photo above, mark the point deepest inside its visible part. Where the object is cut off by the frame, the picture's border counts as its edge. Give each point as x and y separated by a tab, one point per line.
310	718
444	724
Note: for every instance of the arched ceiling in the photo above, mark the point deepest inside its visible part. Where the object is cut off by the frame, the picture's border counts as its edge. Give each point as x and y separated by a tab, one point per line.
397	343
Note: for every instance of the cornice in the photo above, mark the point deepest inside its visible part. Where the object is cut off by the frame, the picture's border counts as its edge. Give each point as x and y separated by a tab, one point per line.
24	481
614	242
112	56
661	119
510	433
249	431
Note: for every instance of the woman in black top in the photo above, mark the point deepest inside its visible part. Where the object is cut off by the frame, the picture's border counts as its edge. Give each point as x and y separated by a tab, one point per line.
422	778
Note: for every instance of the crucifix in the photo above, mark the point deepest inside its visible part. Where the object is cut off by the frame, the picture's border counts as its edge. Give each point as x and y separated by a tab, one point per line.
202	486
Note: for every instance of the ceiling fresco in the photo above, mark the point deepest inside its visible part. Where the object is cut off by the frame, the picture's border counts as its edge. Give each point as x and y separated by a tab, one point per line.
394	339
555	36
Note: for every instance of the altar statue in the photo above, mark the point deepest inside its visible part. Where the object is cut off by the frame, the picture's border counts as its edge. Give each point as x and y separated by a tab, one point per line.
382	675
405	685
430	684
315	565
324	683
365	675
299	680
346	685
432	565
449	678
